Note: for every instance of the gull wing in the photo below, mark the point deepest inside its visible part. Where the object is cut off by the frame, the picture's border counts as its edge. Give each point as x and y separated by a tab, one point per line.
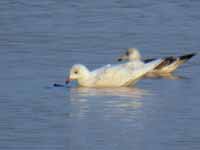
120	75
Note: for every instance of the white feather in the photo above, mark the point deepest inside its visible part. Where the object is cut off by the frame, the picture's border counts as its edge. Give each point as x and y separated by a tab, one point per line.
111	75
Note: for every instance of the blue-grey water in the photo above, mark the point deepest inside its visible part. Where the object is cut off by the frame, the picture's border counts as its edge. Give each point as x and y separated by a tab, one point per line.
40	40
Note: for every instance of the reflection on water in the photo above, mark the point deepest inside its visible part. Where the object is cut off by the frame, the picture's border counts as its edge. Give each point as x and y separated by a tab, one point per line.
121	92
169	76
173	77
119	100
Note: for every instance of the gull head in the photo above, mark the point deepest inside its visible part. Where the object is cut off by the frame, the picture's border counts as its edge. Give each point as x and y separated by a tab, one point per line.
131	54
77	72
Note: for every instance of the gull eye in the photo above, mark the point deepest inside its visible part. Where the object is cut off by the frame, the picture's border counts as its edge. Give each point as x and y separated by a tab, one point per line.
76	72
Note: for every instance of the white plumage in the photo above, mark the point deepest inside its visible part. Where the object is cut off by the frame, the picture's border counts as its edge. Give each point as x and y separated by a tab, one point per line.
111	75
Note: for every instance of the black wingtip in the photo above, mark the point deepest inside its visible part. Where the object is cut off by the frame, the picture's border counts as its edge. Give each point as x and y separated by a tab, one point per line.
187	56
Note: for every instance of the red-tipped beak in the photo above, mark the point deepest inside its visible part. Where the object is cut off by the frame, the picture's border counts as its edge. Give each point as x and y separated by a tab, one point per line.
67	81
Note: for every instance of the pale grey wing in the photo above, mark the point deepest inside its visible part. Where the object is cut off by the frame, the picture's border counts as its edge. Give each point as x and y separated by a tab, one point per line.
126	76
114	76
122	76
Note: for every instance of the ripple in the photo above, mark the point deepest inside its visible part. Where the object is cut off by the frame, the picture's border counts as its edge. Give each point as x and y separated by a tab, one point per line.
109	102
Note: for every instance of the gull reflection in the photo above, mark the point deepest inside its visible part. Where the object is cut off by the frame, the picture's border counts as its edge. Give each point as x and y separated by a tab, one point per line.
128	92
112	102
167	76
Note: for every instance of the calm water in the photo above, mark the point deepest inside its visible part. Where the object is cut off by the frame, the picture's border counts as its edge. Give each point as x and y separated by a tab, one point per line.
40	40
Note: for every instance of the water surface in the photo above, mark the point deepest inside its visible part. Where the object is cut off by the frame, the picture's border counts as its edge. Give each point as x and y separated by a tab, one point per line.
40	40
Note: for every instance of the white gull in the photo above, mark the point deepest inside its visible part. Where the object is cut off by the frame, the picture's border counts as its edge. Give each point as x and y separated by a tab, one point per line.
169	64
110	75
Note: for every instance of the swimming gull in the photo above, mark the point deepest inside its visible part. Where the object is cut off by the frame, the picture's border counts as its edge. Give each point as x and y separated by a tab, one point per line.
110	75
169	65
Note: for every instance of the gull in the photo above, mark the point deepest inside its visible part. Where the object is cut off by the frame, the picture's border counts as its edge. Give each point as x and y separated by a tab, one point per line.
169	64
120	75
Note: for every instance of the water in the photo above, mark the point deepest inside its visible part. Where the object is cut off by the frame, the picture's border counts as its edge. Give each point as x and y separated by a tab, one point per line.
40	40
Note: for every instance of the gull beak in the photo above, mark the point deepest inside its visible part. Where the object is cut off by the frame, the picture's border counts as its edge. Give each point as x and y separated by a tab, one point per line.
122	58
67	81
